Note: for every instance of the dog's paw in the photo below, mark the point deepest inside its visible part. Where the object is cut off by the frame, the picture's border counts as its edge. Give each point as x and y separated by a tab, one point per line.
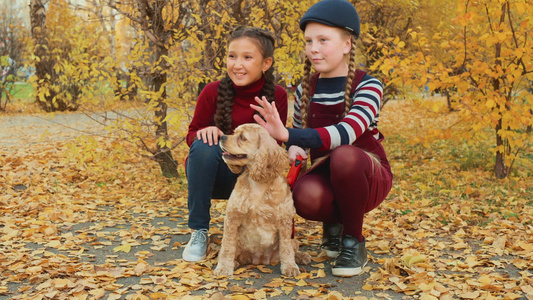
290	270
302	258
221	271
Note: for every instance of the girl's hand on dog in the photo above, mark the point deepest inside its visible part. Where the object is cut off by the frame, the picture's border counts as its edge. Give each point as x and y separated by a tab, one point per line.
294	151
209	135
272	122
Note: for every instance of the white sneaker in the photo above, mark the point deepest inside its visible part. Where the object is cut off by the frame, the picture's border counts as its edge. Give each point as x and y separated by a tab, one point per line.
196	249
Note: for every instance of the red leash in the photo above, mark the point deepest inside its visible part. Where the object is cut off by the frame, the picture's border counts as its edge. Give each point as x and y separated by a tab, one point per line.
291	178
294	171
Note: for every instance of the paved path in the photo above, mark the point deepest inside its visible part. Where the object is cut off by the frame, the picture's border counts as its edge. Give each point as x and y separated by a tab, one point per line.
43	128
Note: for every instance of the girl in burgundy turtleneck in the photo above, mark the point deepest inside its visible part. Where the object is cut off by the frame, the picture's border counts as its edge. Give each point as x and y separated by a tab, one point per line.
221	107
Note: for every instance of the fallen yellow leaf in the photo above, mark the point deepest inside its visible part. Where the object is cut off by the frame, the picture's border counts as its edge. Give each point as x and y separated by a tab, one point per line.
124	248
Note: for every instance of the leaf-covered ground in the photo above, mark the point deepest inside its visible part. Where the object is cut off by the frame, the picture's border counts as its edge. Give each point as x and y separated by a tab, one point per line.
87	218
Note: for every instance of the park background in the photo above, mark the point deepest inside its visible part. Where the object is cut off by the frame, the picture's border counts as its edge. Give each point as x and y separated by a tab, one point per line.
96	97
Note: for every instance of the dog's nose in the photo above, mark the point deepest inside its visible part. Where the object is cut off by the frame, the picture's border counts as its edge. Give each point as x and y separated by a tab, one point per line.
223	138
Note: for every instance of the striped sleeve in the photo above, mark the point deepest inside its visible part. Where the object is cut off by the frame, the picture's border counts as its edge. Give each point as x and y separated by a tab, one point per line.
363	115
297	116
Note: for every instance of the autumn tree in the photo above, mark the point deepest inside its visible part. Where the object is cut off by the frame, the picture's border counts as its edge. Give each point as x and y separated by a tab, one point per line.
383	22
64	50
280	17
496	51
163	24
486	67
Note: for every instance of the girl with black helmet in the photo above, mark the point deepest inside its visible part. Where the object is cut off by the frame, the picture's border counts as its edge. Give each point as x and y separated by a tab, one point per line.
336	116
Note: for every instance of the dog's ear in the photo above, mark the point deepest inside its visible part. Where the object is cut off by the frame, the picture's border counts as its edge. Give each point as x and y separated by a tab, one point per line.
269	161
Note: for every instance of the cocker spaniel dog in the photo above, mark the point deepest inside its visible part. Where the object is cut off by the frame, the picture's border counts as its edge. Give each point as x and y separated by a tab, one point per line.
260	210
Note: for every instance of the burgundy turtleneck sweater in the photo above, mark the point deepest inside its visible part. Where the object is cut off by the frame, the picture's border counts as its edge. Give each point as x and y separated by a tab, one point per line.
206	106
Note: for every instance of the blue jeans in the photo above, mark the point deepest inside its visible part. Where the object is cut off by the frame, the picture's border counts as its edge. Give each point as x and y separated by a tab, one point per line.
208	178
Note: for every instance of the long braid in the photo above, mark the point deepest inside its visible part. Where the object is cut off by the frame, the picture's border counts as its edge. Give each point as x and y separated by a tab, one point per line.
225	101
226	93
269	87
349	78
304	100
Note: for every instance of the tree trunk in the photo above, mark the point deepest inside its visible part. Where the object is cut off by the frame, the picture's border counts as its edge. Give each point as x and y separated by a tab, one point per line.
163	156
500	168
38	19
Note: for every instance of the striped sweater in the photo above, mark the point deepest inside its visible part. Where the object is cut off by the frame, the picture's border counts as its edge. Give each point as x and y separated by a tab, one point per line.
329	92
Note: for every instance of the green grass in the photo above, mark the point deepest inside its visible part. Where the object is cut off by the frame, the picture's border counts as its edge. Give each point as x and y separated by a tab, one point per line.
22	91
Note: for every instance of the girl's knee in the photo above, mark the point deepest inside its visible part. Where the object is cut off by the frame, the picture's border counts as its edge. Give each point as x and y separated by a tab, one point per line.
347	161
203	151
312	201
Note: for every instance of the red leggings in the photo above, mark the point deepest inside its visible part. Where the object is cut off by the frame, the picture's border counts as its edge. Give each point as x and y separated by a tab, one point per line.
341	189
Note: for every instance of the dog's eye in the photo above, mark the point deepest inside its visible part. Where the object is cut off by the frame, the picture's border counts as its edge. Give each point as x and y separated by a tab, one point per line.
242	138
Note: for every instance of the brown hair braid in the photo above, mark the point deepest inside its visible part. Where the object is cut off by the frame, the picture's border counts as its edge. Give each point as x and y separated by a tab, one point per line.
225	101
226	93
350	77
304	100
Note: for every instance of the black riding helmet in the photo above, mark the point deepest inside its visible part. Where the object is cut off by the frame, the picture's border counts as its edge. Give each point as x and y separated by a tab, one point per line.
336	13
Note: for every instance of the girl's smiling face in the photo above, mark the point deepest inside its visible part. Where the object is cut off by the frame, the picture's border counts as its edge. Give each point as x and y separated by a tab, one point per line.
326	47
245	62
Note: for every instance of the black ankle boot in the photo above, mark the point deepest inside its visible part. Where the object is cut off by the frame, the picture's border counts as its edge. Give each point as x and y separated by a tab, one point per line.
331	239
351	259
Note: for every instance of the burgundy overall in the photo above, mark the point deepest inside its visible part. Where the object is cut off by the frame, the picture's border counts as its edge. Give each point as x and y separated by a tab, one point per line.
346	184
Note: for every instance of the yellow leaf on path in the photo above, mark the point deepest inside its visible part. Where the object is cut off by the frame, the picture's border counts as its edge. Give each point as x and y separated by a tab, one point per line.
140	297
240	297
9	233
513	296
158	295
485	279
275	293
34	270
287	289
303	275
335	296
525	246
264	269
97	293
410	260
141	267
301	283
528	289
470	295
54	244
276	282
261	294
3	289
124	248
499	244
60	283
311	293
159	279
321	274
114	296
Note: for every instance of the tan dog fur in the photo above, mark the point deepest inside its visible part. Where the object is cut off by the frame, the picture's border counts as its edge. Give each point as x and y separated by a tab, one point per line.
260	210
